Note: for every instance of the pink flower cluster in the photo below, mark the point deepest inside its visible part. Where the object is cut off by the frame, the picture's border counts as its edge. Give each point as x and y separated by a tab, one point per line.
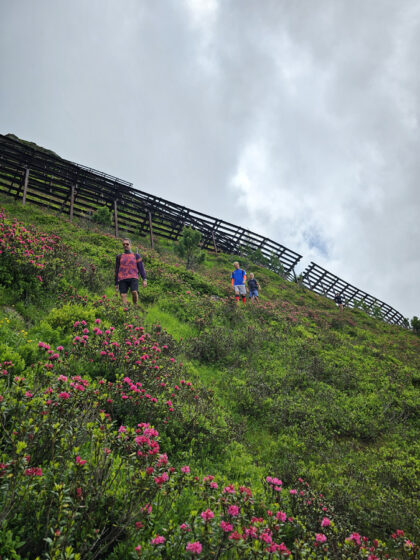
194	548
207	515
274	483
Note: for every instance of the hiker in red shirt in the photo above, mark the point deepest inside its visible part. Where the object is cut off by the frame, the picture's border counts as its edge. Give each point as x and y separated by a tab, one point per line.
128	266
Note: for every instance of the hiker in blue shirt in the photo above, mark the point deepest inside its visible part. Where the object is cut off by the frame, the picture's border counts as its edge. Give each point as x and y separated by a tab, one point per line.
253	288
238	277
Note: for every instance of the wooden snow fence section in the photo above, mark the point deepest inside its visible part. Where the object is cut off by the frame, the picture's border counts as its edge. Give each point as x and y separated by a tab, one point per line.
323	282
44	178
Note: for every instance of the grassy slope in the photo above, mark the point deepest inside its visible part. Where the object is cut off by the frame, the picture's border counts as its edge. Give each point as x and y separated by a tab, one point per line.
303	390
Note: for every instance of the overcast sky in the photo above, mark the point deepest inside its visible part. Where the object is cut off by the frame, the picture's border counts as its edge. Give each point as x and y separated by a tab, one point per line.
298	119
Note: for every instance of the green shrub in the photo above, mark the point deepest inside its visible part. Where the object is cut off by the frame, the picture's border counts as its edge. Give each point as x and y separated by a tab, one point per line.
415	325
102	216
188	247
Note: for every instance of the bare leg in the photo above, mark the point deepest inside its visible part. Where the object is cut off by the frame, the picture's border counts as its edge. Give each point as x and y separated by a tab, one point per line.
124	299
135	296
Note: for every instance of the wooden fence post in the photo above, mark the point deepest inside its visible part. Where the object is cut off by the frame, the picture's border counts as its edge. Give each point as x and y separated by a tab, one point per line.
214	242
116	217
25	186
151	230
73	189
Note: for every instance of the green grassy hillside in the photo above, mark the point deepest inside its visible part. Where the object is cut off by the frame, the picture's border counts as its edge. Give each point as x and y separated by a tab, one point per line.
124	426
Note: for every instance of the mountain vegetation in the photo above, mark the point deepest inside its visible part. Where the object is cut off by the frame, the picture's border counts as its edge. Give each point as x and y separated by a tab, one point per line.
191	426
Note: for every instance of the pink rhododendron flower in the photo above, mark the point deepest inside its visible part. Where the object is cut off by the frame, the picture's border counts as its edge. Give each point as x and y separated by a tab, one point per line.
282	548
80	461
319	537
233	511
355	537
194	547
158	540
293	492
281	516
161	479
266	537
64	395
227	527
33	471
147	509
185	469
245	490
185	527
207	515
325	522
163	460
274	481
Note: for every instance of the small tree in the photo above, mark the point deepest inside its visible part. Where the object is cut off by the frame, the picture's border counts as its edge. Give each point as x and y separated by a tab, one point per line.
299	281
415	325
276	266
376	312
256	256
102	216
188	247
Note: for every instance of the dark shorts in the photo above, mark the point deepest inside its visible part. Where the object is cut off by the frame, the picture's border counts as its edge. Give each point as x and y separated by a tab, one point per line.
132	283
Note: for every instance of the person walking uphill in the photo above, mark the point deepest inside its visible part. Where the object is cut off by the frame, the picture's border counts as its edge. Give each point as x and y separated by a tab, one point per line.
128	266
339	301
238	277
253	287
